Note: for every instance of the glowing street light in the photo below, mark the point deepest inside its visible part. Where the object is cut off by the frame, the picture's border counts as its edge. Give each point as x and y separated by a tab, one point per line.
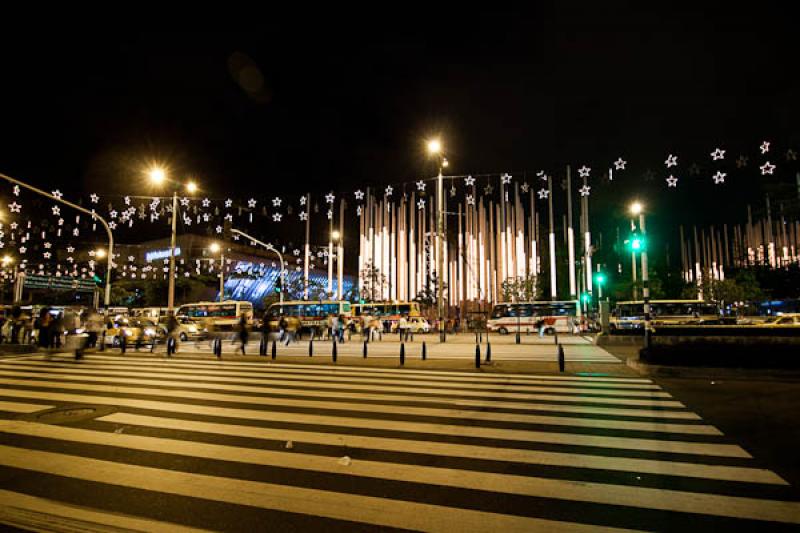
215	248
636	208
335	235
100	253
157	175
639	242
435	149
191	187
7	260
434	146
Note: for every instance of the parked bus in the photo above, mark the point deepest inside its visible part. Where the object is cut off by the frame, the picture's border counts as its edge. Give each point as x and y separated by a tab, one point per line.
561	317
313	315
225	315
153	313
629	316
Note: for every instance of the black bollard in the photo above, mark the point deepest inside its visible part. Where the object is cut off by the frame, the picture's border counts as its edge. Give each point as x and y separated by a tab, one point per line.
477	356
365	349
123	345
518	340
333	351
424	351
560	358
412	336
555	336
311	347
402	354
274	349
488	352
262	346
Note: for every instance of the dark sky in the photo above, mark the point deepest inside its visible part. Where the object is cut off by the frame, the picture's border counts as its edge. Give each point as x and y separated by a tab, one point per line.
313	101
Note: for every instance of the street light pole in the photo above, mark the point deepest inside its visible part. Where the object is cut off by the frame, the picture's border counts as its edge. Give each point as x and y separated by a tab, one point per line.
270	248
171	286
645	283
95	216
440	252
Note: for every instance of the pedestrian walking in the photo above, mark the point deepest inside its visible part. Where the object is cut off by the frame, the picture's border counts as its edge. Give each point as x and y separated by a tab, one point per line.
94	325
403	328
540	327
44	323
243	333
172	334
56	330
340	328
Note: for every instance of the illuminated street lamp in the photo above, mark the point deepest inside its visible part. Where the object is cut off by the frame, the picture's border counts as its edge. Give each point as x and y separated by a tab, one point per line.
637	208
158	176
100	253
435	149
215	248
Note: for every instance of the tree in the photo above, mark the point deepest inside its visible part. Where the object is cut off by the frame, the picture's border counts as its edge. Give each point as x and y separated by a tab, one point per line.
428	296
521	288
373	282
743	286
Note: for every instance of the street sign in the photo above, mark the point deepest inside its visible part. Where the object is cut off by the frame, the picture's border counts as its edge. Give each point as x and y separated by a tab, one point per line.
63	283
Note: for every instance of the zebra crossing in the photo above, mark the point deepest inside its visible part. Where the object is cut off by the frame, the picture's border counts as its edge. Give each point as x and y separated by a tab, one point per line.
225	445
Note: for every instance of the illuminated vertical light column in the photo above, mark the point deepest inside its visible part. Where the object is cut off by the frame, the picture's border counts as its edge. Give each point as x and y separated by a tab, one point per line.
393	251
340	254
713	254
484	291
573	294
412	250
552	237
401	252
330	251
307	250
460	258
372	249
534	237
698	272
519	222
587	237
361	248
387	268
495	246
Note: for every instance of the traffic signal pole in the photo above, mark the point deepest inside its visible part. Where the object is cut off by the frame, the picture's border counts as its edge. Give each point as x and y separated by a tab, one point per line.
645	283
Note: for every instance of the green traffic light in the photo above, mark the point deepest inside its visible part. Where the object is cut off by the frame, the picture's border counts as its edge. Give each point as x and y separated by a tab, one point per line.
600	279
636	244
586	297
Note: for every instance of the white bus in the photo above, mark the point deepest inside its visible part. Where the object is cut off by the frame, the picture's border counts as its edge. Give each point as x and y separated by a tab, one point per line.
224	315
390	310
313	315
153	313
561	317
629	316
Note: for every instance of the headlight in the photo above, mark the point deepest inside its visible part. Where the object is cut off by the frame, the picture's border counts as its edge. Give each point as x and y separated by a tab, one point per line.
127	332
150	332
192	329
79	331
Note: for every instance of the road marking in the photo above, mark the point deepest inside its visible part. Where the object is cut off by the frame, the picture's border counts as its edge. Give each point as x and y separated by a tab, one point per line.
17	407
341	506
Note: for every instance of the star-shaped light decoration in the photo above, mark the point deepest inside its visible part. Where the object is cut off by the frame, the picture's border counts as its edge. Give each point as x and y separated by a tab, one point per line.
358	210
47	255
206	202
488	189
251	203
420	185
56	210
543	193
359	194
330	214
764	147
94	198
741	161
70	249
228	202
719	177
112	214
276	202
296	251
718	154
131	258
672	160
276	217
470	200
22	249
229	217
584	171
421	204
525	187
791	155
303	215
619	164
47	245
330	197
14	207
16	190
585	190
303	200
505	179
127	200
206	217
112	225
389	190
154	216
767	168
541	175
672	181
184	201
469	181
58	194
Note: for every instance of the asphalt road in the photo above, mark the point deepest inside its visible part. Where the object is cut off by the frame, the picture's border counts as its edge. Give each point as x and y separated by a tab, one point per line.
145	443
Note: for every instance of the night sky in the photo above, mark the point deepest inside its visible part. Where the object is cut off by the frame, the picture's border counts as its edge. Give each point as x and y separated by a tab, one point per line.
318	101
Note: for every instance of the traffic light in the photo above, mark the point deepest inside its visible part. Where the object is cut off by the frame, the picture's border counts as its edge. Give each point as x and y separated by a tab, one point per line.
636	242
278	286
600	278
97	279
586	297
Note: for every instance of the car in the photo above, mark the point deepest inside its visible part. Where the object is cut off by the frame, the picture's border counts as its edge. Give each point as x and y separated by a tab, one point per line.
187	329
416	324
130	331
788	320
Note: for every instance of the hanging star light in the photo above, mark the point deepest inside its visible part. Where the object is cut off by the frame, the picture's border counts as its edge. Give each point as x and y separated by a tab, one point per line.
358	210
16	190
229	217
672	181
296	251
277	217
56	210
791	155
541	175
470	200
619	164
276	202
585	190
58	194
184	201
359	194
719	177
469	181
330	214
112	214
525	187
389	190
718	154
70	249
303	215
206	202
421	204
218	229
543	193
584	171
767	168
303	200
251	203
94	198
420	185
505	178
47	245
112	225
764	147
741	161
228	202
154	216
488	189
330	197
672	160
14	207
22	249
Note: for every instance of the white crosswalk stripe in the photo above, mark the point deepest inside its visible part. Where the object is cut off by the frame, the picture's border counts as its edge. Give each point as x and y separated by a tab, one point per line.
425	450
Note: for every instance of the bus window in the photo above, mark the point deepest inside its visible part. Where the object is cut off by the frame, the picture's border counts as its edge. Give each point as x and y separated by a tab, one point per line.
499	311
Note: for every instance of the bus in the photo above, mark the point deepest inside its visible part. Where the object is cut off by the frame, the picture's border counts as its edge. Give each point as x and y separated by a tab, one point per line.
153	313
561	317
225	315
629	316
313	315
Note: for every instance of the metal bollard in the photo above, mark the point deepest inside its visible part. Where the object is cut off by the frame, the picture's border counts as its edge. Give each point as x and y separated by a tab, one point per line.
123	345
262	346
555	336
518	339
488	352
365	349
424	351
311	347
560	358
477	356
402	354
274	349
333	351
